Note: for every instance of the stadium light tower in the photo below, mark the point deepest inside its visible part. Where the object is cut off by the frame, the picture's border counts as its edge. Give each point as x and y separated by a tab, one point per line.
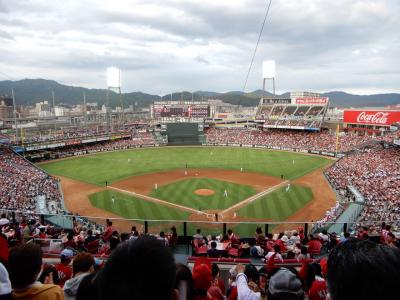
268	71
114	84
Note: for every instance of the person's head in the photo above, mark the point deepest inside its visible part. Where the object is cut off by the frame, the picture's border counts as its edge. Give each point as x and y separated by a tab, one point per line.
173	229
290	254
252	242
281	234
285	284
270	236
124	236
109	223
70	236
5	284
213	245
138	269
89	232
229	231
258	230
184	281
66	256
324	231
83	263
24	265
346	234
252	273
391	237
313	269
3	216
303	250
363	270
162	234
214	270
198	230
277	249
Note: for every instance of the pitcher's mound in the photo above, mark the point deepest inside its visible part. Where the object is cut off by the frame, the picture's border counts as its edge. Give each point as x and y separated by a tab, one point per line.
204	192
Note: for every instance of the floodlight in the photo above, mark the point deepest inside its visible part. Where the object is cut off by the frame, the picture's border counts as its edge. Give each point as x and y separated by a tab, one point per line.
113	77
268	69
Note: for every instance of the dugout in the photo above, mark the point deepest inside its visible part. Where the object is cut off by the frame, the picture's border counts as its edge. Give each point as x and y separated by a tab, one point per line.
183	133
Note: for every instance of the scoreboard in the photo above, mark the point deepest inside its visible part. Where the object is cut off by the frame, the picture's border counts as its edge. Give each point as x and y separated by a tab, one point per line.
193	110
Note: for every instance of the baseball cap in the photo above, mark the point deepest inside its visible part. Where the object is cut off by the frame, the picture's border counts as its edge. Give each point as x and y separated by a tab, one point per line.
233	272
5	284
284	284
67	253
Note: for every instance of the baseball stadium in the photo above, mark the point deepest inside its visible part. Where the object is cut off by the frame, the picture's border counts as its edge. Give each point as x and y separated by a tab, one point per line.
207	185
203	195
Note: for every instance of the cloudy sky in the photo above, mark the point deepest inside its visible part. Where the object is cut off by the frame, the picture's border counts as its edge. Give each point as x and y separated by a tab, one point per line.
170	45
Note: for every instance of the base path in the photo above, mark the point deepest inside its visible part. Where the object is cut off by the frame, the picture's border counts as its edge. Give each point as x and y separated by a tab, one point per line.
76	196
247	201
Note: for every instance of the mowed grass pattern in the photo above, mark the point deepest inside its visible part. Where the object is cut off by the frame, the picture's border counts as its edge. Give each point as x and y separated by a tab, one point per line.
130	207
182	192
278	205
115	166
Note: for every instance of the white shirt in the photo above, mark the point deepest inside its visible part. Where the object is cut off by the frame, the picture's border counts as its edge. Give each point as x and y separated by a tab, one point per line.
244	292
278	256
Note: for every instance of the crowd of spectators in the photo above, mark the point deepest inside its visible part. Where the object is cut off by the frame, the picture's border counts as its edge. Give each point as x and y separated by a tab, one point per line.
137	139
341	266
318	141
375	172
22	182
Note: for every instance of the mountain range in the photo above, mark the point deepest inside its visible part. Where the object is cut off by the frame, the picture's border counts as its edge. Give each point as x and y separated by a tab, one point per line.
31	91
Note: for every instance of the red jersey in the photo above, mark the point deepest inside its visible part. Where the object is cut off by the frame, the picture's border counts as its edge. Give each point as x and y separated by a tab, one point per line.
64	273
318	290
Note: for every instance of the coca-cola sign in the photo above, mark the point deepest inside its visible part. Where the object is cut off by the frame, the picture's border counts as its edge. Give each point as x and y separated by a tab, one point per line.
371	117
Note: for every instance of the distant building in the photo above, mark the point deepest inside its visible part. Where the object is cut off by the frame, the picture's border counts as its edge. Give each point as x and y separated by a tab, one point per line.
43	109
6	107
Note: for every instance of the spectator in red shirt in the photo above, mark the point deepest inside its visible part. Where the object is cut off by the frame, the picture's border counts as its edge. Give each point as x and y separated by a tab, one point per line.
234	239
315	282
109	231
63	268
314	246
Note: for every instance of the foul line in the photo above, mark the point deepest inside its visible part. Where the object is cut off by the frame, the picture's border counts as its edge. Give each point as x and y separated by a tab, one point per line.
159	201
253	198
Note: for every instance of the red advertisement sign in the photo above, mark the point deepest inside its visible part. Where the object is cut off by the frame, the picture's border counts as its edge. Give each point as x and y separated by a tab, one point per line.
371	117
312	100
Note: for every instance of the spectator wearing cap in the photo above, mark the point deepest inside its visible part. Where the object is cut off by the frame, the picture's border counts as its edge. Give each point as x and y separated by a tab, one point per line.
82	265
25	266
63	268
285	284
5	284
246	287
232	289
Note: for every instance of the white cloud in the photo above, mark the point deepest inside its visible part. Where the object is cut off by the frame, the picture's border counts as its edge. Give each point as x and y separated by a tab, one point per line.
166	45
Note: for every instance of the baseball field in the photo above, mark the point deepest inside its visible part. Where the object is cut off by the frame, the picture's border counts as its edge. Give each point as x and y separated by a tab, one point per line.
195	183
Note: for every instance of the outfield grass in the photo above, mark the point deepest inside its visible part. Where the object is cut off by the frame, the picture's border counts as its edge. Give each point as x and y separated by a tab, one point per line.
115	166
182	192
278	205
135	208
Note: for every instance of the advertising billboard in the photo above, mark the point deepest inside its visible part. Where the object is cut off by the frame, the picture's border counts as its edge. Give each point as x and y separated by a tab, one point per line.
371	117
